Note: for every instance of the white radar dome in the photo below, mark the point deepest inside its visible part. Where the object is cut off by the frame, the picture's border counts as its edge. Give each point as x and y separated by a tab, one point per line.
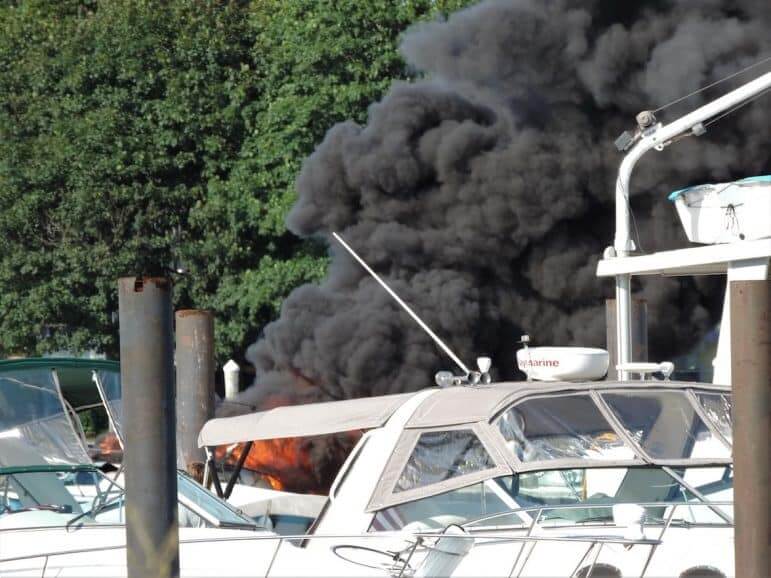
563	363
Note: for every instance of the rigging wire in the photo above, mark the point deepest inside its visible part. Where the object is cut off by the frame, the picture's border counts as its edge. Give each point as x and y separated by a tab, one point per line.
736	107
706	124
638	243
634	224
719	81
688	134
713	120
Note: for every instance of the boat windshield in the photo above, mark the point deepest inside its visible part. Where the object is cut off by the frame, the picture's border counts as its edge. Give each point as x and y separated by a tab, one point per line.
33	421
718	409
67	496
570	497
561	427
108	384
666	425
584	495
626	426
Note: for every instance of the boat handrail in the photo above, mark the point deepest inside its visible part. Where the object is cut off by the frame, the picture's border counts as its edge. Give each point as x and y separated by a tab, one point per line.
416	540
594	505
497	536
387	533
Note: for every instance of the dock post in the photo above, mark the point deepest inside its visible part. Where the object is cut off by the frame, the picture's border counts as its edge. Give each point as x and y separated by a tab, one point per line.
147	377
751	378
639	334
195	384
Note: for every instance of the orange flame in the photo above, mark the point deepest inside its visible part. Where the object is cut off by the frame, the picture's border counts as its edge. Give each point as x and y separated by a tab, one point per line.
282	463
305	465
108	448
275	483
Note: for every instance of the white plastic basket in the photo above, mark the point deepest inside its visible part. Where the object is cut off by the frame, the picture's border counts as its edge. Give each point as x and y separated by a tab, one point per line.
726	212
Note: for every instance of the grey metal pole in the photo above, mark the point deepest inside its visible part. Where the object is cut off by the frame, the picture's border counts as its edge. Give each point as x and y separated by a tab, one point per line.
639	333
147	377
751	378
195	384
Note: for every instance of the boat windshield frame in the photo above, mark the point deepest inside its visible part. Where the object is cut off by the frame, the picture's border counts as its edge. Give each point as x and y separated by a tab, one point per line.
219	514
45	468
511	500
207	514
387	494
47	423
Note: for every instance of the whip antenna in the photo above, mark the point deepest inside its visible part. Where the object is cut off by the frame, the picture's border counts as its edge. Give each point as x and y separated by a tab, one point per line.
404	306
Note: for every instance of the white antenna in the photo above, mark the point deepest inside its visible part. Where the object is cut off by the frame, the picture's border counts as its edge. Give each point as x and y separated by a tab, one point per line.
406	307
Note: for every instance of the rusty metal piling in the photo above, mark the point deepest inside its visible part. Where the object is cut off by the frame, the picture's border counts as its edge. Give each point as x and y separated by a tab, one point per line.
195	383
147	377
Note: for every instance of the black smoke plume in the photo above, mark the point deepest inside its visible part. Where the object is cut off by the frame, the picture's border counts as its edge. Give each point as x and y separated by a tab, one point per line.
483	192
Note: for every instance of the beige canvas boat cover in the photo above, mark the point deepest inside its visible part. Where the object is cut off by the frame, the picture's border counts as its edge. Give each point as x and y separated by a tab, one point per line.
458	405
310	419
471	404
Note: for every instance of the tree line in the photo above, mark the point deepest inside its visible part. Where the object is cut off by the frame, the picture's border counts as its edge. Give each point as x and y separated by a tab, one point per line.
138	137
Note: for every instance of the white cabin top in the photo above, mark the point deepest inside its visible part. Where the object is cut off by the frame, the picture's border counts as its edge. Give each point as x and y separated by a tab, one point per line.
447	438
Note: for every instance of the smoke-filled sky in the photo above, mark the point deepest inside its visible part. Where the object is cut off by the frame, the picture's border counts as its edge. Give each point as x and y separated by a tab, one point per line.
483	192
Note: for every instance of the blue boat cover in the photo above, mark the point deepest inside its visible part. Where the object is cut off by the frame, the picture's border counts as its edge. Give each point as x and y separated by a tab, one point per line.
759	179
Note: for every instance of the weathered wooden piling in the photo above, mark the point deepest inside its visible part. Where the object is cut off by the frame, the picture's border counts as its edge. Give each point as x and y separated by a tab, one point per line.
751	379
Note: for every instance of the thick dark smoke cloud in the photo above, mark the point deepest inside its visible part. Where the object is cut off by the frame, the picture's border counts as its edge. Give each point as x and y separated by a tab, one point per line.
484	192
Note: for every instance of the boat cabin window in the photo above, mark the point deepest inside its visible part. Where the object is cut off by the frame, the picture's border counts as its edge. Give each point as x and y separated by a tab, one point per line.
665	425
441	455
567	497
561	427
718	409
598	488
454	507
716	484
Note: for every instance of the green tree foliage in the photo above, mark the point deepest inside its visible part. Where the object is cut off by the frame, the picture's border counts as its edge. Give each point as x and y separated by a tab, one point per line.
94	421
140	135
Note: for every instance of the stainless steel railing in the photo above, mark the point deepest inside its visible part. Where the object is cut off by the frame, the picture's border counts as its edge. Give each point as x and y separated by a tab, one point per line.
654	544
398	564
